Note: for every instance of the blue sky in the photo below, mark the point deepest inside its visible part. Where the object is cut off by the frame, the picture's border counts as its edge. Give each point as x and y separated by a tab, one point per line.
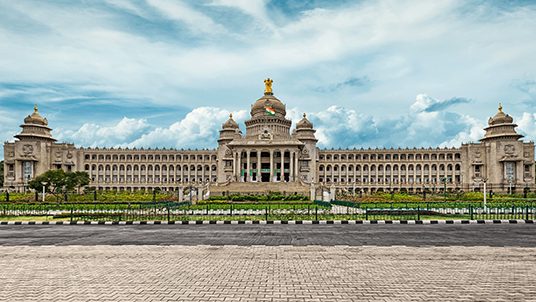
165	73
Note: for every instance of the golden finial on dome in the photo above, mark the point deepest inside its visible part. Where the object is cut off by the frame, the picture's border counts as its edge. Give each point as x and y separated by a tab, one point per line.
500	107
268	86
231	115
35	107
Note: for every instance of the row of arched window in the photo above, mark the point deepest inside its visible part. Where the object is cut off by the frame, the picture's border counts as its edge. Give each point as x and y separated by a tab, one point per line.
141	168
388	167
395	156
150	157
448	180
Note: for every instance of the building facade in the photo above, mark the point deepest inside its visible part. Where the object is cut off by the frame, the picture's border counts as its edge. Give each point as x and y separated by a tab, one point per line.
272	157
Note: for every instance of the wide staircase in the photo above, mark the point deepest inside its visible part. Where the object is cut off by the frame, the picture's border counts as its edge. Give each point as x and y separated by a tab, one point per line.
259	188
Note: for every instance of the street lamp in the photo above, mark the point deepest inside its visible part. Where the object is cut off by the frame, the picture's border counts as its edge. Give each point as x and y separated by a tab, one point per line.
484	181
44	183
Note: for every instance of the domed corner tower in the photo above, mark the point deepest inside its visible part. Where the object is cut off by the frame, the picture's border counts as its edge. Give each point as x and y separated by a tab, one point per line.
35	128
229	132
502	159
28	156
305	132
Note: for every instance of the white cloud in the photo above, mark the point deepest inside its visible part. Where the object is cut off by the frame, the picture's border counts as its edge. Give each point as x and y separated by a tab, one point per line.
198	129
94	135
340	127
402	47
254	8
527	125
179	11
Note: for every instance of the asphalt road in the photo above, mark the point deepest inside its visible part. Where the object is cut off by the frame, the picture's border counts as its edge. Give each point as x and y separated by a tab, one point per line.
272	235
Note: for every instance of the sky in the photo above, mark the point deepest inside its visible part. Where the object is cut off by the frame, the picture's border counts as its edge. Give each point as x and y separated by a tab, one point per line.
167	73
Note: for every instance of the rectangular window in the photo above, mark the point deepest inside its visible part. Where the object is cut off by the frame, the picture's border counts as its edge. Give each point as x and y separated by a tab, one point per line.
509	171
27	167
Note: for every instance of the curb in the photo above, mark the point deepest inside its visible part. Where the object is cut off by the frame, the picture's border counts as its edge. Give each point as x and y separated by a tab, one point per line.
189	222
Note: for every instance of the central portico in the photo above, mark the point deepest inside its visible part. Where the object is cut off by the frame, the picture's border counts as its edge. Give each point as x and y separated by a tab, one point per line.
268	152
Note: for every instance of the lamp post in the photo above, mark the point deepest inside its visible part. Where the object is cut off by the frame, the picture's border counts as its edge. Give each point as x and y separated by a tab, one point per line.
44	183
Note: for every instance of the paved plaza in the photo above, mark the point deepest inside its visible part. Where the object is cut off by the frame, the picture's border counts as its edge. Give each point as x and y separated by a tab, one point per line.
266	273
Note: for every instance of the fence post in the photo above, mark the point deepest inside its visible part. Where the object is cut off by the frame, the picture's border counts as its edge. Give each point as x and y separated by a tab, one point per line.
266	213
418	212
366	213
471	212
168	216
71	213
316	213
7	196
231	211
36	196
95	195
207	209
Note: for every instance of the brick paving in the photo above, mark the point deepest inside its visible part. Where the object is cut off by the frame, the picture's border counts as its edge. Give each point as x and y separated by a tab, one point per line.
261	273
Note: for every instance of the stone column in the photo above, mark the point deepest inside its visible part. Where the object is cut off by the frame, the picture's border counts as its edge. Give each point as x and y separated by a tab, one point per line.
258	166
248	167
291	166
239	172
234	164
282	165
296	167
271	165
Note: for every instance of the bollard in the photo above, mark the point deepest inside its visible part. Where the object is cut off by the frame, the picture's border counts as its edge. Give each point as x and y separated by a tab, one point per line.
168	216
471	212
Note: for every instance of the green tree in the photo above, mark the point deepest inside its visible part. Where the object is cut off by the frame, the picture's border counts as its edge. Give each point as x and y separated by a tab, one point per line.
76	180
58	182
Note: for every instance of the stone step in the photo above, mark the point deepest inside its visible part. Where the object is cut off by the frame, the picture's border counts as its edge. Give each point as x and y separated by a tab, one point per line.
260	188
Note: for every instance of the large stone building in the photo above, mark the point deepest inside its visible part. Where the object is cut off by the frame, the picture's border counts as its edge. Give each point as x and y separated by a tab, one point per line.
271	157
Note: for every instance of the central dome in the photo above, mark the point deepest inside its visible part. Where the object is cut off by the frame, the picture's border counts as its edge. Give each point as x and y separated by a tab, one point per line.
268	105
